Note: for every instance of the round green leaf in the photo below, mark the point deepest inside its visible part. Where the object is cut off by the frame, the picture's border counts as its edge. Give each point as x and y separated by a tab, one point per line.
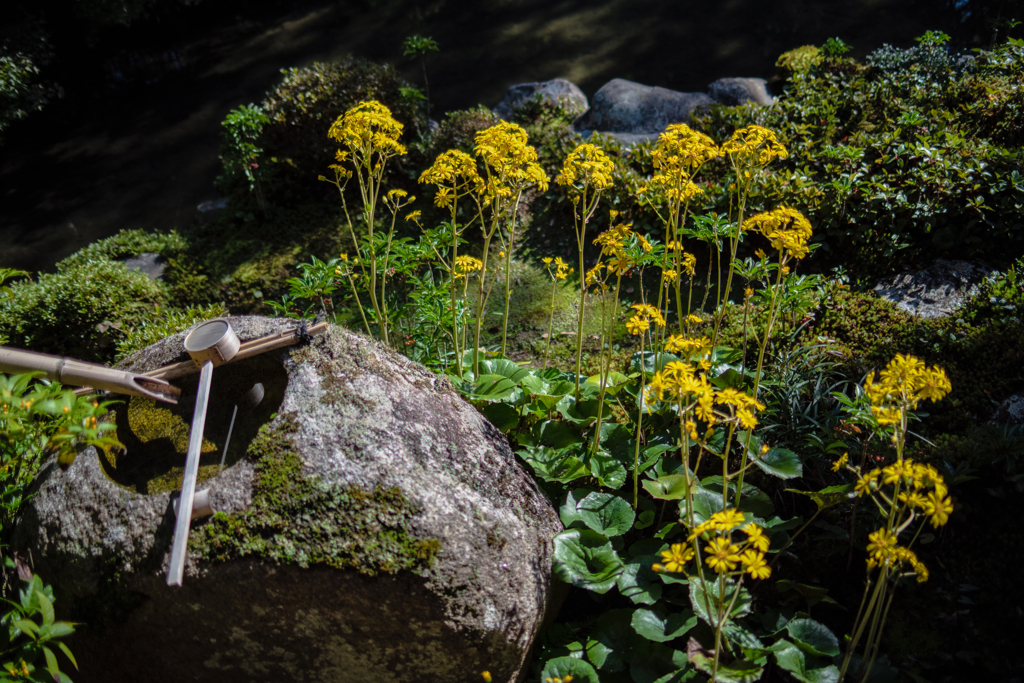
568	513
813	637
560	667
586	559
607	469
501	415
606	513
668	487
639	582
780	462
658	625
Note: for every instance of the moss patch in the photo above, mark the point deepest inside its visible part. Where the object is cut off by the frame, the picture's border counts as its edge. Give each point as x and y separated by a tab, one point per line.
297	519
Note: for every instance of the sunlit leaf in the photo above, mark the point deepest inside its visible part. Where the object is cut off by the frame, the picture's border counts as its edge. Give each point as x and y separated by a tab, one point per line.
586	559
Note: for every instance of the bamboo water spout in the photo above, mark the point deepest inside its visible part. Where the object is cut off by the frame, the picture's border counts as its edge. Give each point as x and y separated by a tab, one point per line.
79	373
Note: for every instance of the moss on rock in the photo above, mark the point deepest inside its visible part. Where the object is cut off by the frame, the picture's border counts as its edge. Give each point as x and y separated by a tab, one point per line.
297	519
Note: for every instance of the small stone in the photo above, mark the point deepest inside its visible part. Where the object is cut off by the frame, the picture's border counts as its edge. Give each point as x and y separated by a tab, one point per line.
935	291
555	90
739	91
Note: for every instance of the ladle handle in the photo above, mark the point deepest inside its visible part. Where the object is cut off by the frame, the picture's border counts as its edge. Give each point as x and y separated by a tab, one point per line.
179	549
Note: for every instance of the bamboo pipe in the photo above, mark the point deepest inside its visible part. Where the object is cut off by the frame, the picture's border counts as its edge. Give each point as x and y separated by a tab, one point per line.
78	373
253	347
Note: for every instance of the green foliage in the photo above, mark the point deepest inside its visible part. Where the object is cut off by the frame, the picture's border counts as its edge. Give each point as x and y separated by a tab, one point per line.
915	154
24	641
21	90
302	107
240	150
37	421
798	60
126	244
418	46
69	312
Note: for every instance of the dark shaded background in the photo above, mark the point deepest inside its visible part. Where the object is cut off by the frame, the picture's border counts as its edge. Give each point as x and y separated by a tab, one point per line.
134	141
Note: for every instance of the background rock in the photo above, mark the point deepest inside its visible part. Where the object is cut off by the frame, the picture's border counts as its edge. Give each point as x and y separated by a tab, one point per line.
935	291
1010	411
378	529
738	91
555	90
622	106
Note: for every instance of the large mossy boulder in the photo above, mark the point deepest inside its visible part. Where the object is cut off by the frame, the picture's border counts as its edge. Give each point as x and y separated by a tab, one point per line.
371	526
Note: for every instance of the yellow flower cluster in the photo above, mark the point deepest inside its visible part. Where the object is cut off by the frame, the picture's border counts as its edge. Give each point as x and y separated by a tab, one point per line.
455	174
904	382
688	347
464	265
587	166
884	548
923	488
642	319
754	146
681	147
613	243
368	126
511	162
722	554
562	269
787	229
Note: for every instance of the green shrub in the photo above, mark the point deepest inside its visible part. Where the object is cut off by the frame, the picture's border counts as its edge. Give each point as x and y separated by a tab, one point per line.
913	156
61	313
302	107
798	60
126	244
458	131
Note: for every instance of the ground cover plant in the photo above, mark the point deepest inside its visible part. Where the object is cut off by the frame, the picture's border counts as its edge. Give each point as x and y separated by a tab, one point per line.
734	432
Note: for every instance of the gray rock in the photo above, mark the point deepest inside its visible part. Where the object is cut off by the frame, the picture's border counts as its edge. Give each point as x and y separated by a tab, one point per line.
151	265
738	91
622	106
555	90
935	291
377	529
1010	411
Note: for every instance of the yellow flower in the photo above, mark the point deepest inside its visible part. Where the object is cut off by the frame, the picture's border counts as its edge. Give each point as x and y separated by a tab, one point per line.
675	558
881	545
669	275
465	265
938	507
546	261
837	465
867	483
722	555
726	520
693	319
414	216
754	564
637	325
756	537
